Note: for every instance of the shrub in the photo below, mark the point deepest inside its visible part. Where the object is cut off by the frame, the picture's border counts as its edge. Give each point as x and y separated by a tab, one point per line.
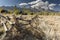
16	12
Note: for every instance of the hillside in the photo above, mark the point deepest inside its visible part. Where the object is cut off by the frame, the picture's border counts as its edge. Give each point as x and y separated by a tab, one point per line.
31	27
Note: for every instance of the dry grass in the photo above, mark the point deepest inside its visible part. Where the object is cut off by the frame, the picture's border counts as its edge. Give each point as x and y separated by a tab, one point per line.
38	27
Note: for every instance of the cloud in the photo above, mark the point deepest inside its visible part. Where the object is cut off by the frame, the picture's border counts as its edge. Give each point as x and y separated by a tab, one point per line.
51	6
23	4
39	4
34	2
44	5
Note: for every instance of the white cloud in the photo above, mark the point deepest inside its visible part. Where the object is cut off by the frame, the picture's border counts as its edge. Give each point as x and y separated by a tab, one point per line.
23	4
34	2
51	6
44	5
39	4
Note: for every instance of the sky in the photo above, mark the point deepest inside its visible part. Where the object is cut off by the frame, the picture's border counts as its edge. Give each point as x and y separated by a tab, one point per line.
53	1
17	2
9	2
12	2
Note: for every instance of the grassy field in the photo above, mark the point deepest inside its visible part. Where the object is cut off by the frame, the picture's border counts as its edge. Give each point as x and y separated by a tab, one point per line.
29	25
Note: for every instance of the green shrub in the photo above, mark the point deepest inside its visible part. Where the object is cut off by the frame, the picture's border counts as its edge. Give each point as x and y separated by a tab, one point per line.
16	12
